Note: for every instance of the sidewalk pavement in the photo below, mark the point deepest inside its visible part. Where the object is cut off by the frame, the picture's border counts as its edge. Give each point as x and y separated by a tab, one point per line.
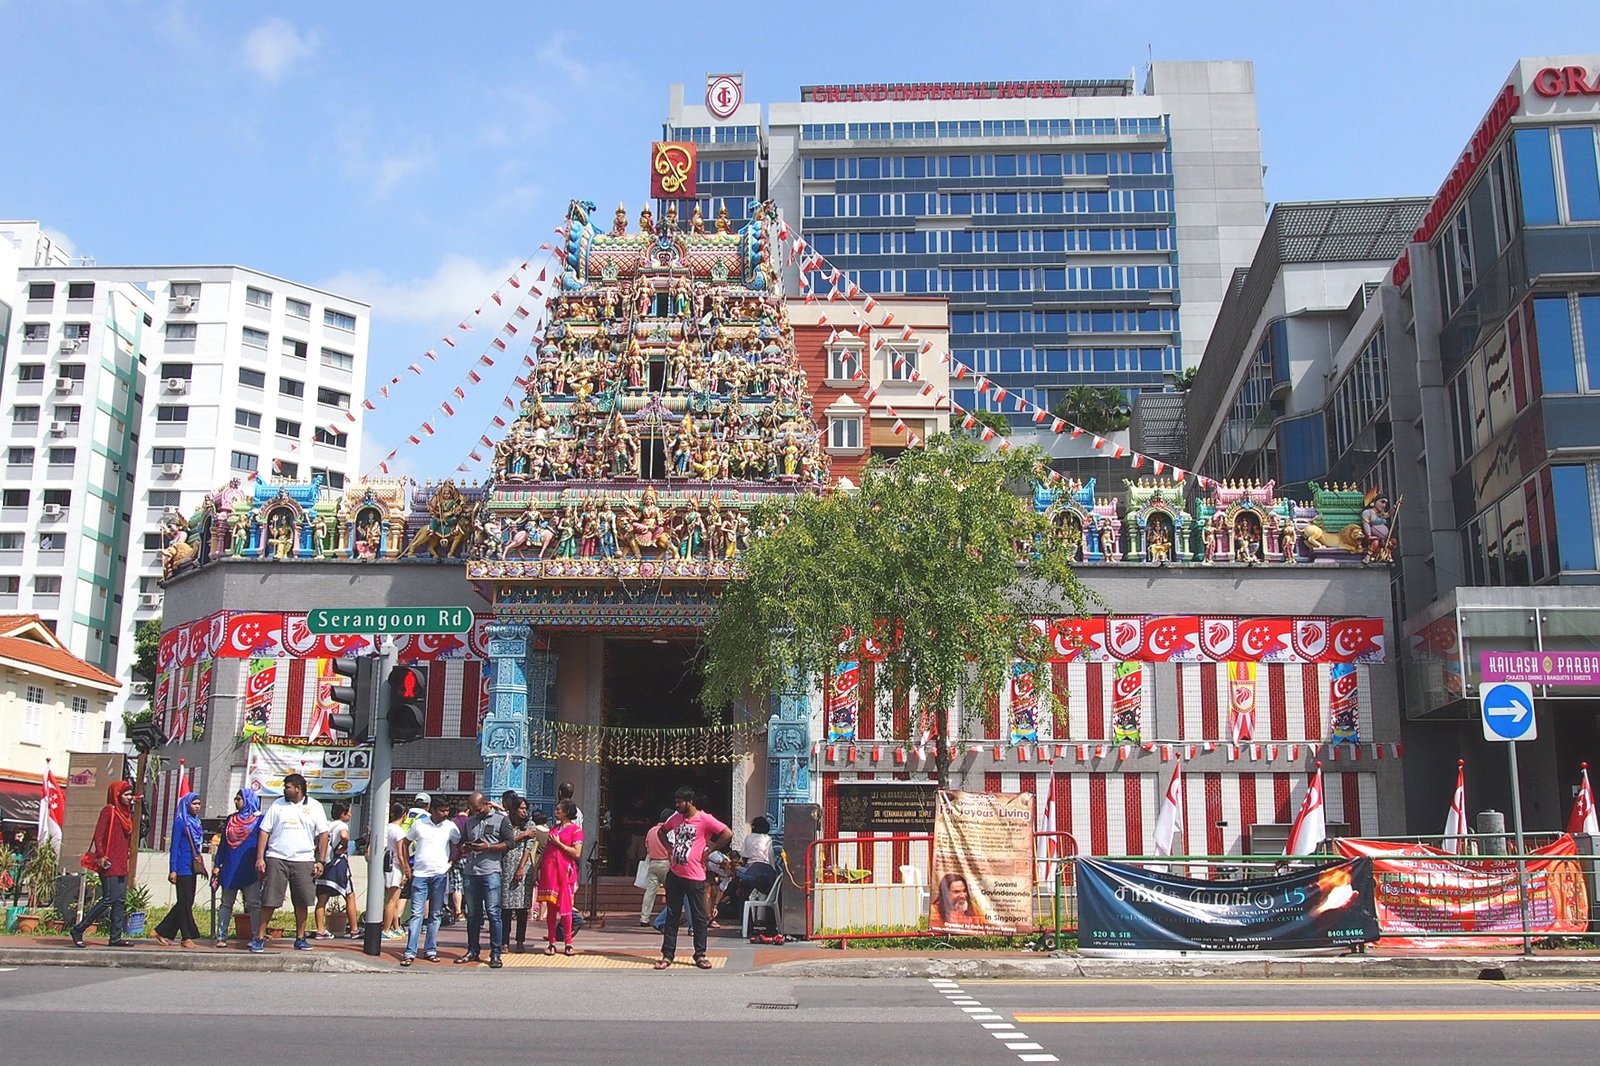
624	945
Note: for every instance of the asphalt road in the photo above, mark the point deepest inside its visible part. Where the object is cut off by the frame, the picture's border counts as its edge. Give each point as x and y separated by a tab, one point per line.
440	1015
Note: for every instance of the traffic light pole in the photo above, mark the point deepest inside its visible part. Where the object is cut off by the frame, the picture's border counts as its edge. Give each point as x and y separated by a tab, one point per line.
378	799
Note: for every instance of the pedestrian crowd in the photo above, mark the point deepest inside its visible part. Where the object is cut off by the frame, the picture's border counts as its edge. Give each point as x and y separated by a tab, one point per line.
494	864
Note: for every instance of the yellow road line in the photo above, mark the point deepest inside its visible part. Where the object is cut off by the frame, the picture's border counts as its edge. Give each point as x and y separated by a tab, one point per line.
1245	981
1330	1015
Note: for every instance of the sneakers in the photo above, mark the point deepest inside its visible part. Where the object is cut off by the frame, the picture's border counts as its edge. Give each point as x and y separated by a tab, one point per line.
393	934
322	935
257	946
302	944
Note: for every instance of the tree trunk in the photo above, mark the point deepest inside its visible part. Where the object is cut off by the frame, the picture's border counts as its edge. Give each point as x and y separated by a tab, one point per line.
941	754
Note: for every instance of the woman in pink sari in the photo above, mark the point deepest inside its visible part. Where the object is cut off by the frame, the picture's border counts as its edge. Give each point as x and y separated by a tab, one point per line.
558	876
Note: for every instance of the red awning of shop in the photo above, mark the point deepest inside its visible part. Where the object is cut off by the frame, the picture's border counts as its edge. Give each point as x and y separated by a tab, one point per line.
19	802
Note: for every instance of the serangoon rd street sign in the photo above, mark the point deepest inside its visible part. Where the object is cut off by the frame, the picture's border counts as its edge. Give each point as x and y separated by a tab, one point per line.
389	619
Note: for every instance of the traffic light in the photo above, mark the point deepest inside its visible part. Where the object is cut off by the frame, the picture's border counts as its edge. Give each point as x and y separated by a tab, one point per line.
356	722
408	703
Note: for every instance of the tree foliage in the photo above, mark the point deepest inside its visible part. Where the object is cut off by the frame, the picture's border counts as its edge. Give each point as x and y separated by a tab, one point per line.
929	556
1099	410
993	419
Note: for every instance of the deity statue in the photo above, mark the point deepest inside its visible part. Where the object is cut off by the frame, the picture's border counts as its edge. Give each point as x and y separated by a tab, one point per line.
1246	542
619	222
280	536
238	532
319	534
1377	526
368	537
724	224
647	221
1159	546
175	530
697	221
567	534
670	223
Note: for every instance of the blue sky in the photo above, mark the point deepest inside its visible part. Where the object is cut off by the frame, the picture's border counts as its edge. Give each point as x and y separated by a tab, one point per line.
412	155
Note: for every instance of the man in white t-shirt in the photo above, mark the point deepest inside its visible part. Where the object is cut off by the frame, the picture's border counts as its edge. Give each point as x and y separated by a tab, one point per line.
290	854
425	859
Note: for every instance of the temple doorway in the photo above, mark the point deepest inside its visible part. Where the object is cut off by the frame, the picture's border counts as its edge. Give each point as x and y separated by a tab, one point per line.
653	683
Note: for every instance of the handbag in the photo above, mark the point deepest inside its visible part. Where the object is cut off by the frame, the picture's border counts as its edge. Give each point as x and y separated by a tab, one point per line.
641	876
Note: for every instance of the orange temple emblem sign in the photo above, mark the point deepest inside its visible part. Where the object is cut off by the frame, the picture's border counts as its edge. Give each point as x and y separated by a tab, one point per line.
672	170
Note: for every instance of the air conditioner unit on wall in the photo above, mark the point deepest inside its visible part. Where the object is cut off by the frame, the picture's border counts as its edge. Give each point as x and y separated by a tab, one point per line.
183	303
69	344
177	384
63	384
149	599
171	469
53	510
58	429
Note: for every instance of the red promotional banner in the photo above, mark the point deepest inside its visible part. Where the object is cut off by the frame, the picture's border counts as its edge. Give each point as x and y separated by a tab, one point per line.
270	635
1194	638
1422	891
673	170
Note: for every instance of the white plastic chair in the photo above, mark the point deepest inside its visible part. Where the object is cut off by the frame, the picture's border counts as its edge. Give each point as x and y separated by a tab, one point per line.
767	900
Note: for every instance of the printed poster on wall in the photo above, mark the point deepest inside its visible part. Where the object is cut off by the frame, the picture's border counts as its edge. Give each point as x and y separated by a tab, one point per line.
1241	702
202	700
1024	703
1124	907
1127	693
844	693
329	769
1344	705
982	863
1423	890
258	696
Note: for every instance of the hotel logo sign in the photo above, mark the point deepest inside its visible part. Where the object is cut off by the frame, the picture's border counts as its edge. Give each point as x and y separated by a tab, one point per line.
724	94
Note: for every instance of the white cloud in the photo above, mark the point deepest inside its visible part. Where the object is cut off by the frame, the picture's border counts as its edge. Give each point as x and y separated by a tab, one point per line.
457	285
555	56
388	171
274	46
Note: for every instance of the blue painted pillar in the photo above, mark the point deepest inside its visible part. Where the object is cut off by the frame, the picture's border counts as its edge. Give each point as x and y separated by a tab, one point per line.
788	752
541	776
504	733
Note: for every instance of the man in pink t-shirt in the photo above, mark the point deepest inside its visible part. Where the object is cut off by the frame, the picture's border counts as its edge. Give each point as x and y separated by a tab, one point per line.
688	835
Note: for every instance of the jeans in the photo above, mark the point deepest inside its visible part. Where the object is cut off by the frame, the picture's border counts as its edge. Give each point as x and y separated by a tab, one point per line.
481	892
113	896
679	891
426	891
252	906
655	876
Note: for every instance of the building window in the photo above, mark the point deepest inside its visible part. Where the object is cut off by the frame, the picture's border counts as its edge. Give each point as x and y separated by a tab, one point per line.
844	433
184	289
182	331
255	338
30	372
25	414
902	362
177	370
252	379
11	584
291	387
50	542
334	398
1573	517
287	428
71	414
172	413
36	331
63	456
19	456
70	371
844	363
11	541
331	478
257	297
80	290
244	461
246	419
47	584
296	308
33	717
338	320
75	331
77	725
41	290
166	456
293	349
13	498
154	542
283	469
338	360
165	498
59	497
331	438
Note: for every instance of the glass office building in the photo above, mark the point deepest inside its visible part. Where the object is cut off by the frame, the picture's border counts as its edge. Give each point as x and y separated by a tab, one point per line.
1083	231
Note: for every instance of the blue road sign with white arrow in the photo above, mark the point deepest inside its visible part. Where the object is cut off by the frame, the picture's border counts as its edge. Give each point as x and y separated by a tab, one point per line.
1506	708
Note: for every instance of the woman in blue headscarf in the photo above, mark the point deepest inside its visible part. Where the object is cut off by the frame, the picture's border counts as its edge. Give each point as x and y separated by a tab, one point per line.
188	864
235	868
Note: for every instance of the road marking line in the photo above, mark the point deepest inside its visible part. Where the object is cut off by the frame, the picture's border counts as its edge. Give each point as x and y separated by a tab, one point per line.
1038	1058
1009	1036
1331	1015
1026	1047
998	1025
986	1017
975	1010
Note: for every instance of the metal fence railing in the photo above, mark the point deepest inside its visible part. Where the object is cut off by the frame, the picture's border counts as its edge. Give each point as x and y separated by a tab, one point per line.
882	886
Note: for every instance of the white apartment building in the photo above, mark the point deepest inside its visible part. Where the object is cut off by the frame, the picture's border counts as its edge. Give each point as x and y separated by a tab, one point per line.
126	393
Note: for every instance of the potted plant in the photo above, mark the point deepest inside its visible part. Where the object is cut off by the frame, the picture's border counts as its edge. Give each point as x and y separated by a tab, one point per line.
137	903
336	917
38	880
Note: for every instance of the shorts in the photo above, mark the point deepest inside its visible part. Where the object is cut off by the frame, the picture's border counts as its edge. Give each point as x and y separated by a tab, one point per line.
392	877
296	877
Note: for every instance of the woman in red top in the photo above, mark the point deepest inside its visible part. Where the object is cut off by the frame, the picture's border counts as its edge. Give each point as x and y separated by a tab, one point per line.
108	856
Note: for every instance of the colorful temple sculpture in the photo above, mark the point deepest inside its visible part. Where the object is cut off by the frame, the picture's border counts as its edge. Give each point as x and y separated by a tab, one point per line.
663	407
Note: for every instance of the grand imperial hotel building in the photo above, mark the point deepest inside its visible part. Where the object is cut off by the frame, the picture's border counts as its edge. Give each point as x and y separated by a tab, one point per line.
1084	230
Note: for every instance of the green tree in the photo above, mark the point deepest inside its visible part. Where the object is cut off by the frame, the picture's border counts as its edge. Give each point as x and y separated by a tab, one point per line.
146	647
993	419
1185	380
939	554
1099	410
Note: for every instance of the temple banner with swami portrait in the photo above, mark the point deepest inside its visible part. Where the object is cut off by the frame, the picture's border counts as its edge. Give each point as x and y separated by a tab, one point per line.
983	863
330	770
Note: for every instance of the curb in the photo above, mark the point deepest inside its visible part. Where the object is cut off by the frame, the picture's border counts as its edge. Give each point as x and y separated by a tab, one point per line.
1486	968
218	962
